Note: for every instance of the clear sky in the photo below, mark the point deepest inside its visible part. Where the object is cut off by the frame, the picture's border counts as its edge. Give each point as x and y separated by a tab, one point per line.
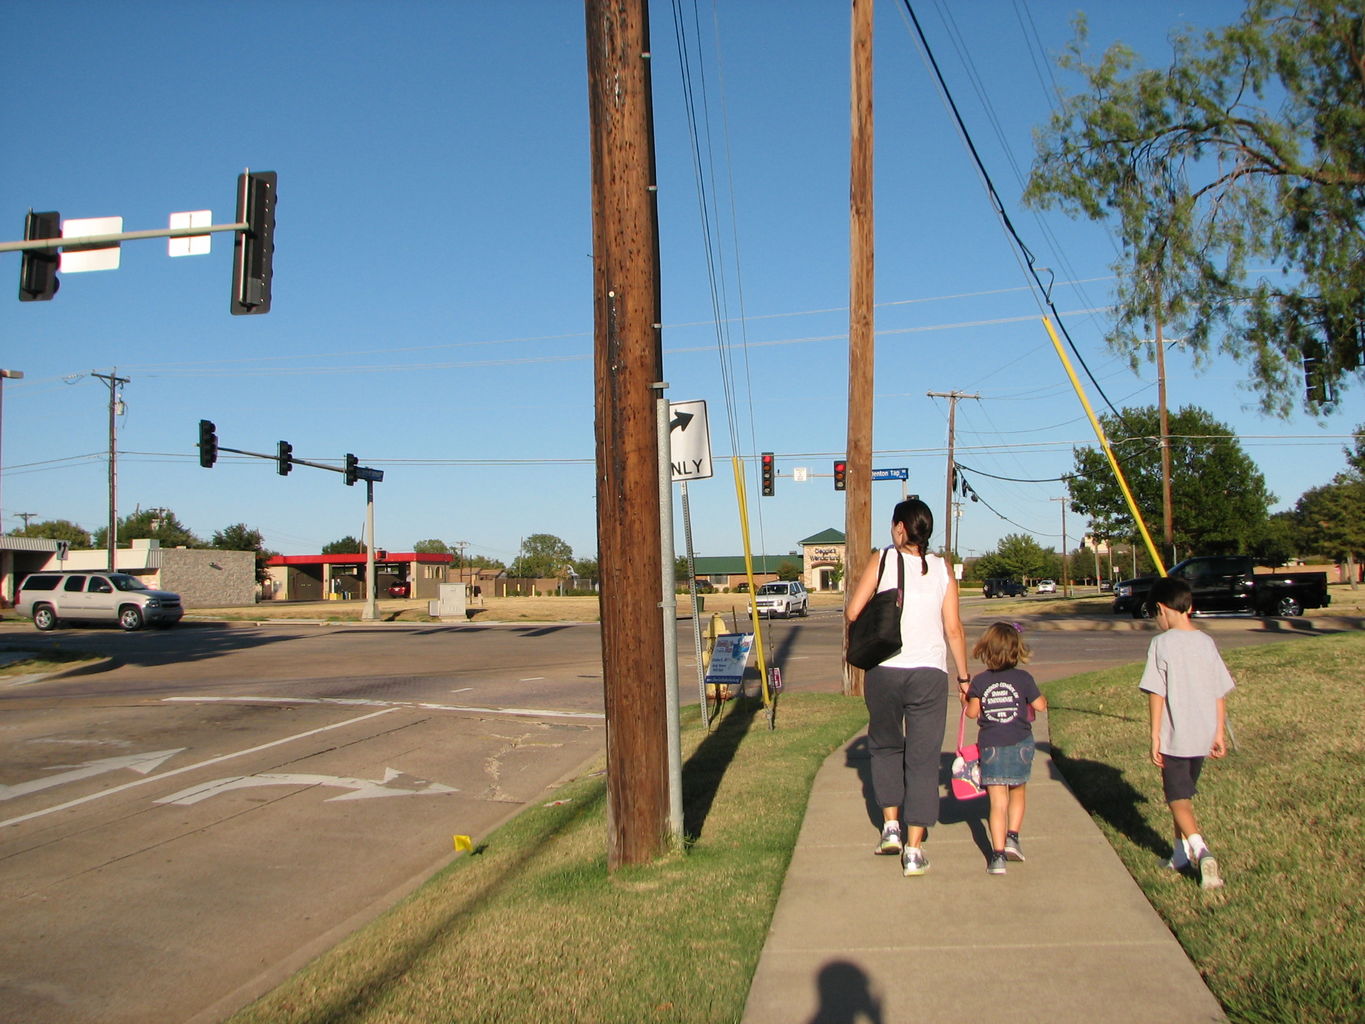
432	306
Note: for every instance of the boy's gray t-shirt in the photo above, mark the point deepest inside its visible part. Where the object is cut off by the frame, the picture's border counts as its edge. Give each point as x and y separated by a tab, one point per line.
1184	666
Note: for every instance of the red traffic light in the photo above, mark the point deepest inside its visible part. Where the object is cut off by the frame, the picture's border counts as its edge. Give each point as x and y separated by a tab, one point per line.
769	474
840	473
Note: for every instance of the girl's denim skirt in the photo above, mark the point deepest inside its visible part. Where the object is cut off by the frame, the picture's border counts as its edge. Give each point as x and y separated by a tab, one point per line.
1007	766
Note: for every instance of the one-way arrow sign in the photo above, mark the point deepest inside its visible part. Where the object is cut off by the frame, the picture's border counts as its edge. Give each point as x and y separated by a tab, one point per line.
689	441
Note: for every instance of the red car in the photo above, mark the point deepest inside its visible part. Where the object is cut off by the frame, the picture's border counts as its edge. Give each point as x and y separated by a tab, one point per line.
400	589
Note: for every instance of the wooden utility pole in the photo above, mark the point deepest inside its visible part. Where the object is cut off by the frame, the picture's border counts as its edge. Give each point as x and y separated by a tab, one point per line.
628	367
1167	524
861	341
952	397
115	382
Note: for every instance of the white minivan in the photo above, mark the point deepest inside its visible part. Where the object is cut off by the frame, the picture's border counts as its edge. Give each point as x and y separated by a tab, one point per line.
51	598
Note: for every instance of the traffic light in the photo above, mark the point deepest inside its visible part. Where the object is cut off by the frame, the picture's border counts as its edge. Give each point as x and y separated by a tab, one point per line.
208	444
253	250
840	472
351	464
284	458
768	474
38	269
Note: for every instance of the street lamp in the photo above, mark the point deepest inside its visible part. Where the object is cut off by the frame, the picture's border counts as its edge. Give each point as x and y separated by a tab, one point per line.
5	375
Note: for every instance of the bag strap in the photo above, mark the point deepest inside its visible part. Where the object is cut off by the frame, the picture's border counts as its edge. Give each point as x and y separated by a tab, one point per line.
961	727
900	575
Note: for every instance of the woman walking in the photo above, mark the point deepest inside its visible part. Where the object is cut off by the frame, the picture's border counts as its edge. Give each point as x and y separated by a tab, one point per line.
907	694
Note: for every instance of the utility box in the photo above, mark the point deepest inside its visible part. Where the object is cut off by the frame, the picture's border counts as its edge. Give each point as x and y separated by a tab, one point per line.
452	603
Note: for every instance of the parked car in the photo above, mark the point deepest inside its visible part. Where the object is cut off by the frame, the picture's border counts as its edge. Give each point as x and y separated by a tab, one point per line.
1229	584
783	598
1046	587
400	588
52	598
742	587
1106	586
999	586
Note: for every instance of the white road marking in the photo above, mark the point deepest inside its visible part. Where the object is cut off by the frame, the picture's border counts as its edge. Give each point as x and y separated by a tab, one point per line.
463	689
392	705
191	767
361	789
141	763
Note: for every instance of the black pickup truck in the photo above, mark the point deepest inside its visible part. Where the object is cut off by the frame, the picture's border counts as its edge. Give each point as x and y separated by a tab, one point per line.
1229	584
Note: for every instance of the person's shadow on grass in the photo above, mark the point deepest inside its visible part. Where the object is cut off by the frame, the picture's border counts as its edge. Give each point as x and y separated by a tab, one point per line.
1105	791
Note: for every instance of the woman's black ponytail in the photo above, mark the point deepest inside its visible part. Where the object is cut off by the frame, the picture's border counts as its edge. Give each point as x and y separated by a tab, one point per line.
918	521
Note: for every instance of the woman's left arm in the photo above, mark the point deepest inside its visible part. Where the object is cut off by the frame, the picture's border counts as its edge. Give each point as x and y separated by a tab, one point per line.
955	634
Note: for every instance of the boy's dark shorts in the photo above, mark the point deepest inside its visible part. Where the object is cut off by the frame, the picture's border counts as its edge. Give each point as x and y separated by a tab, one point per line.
1179	776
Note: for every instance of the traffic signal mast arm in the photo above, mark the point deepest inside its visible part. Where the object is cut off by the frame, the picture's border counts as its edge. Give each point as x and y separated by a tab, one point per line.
360	472
93	241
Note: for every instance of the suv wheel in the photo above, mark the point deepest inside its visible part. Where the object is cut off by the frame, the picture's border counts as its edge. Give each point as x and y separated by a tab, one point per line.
805	608
130	618
44	618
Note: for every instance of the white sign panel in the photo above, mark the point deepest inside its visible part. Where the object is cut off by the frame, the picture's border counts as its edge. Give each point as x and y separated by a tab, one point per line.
729	658
190	245
689	441
75	261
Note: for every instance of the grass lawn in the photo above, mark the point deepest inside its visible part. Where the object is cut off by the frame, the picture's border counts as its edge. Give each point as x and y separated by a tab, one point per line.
1284	811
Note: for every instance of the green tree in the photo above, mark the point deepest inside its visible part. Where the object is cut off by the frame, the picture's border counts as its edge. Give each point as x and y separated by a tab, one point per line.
1332	521
240	537
347	545
1218	497
788	571
1018	557
1246	151
57	529
542	556
158	524
431	547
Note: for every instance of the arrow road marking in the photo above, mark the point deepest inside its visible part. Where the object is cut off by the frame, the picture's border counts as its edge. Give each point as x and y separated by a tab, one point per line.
360	789
191	767
141	763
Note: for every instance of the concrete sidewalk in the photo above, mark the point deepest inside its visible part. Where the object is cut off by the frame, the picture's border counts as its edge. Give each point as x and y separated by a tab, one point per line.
1065	936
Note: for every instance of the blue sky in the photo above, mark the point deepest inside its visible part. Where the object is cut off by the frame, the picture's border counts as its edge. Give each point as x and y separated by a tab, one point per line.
432	297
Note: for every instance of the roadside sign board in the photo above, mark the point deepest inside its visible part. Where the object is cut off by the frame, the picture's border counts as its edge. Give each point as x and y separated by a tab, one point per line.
729	658
689	441
891	474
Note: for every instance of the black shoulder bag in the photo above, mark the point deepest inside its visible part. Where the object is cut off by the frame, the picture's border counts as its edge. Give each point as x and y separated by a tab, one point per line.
875	634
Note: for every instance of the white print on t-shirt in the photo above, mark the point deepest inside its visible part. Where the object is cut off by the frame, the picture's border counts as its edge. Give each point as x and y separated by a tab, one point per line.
1000	703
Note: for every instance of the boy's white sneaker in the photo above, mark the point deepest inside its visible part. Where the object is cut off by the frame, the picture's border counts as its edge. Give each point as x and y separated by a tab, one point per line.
1209	875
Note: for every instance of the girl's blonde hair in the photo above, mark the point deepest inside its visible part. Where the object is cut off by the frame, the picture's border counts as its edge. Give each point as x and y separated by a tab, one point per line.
1001	647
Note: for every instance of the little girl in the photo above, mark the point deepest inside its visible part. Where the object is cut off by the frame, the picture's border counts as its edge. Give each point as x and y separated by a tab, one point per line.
1003	700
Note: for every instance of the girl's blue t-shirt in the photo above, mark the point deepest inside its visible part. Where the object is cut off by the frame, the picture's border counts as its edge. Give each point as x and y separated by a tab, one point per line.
1005	698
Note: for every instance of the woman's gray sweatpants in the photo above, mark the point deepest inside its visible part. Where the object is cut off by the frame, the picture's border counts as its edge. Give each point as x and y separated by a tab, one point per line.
907	711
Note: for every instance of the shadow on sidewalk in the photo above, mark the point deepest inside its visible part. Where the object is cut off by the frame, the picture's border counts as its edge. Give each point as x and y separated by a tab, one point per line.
845	996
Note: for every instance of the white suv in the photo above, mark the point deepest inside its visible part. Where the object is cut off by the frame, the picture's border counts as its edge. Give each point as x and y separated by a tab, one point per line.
786	598
48	598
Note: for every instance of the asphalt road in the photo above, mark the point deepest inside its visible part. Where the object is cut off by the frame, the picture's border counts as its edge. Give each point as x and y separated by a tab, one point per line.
187	825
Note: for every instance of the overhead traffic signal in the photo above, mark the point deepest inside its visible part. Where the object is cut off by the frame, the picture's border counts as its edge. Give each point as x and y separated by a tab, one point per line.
38	268
253	251
208	444
352	464
840	475
284	458
768	474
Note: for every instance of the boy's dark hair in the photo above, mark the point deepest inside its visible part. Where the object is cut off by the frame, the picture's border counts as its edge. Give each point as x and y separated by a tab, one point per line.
1174	593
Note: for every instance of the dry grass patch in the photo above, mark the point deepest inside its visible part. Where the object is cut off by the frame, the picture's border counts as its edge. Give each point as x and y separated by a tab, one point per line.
534	928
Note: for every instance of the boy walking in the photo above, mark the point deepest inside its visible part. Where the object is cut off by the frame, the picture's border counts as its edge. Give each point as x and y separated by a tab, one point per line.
1186	682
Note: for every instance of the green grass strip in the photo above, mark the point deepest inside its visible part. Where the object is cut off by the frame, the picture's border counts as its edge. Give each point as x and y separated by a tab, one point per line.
533	928
1284	811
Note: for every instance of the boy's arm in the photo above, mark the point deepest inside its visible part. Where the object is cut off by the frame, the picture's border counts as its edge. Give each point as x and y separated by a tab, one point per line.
1156	708
1219	748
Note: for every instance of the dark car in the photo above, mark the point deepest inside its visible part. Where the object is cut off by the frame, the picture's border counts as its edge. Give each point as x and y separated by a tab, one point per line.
999	586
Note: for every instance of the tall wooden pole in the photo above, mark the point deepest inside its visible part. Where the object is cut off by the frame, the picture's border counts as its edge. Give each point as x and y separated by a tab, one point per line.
628	365
861	342
1167	519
